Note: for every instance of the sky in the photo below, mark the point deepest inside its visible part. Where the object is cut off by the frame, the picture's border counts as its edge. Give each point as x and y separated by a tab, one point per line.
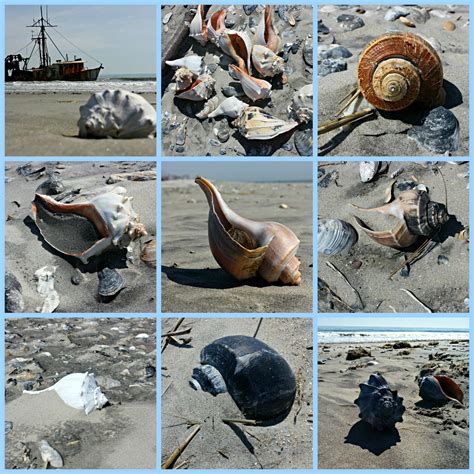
122	37
255	171
397	322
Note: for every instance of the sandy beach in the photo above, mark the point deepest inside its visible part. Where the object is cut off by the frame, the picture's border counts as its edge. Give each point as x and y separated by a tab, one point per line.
440	280
286	445
216	137
45	124
39	352
76	283
430	437
192	281
386	135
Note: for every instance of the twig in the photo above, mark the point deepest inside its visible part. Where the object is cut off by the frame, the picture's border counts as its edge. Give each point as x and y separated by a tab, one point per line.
332	267
242	422
418	253
409	293
258	327
166	389
165	342
346	120
177	333
181	464
299	394
178	451
322	285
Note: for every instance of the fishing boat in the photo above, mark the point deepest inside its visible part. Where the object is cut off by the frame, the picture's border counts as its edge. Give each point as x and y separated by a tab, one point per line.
16	65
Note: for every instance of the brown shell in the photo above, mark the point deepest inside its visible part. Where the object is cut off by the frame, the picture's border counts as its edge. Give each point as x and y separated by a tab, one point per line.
398	69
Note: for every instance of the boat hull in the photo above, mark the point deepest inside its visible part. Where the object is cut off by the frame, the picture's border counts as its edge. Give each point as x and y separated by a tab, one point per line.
47	75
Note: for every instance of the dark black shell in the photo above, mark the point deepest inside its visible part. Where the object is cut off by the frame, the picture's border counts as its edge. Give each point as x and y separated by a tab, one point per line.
425	216
110	282
258	379
379	406
439	389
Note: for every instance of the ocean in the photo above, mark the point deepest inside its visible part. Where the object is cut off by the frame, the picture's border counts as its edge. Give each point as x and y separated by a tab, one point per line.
327	335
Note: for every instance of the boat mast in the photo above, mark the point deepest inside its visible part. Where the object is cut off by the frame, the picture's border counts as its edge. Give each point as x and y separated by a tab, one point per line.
42	24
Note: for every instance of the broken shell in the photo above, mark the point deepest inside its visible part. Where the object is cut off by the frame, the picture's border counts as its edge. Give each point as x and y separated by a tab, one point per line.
79	391
110	282
304	142
301	107
209	107
198	28
230	107
254	88
368	170
245	248
184	78
335	236
238	45
216	25
85	229
45	287
256	124
13	294
266	62
201	89
439	388
148	254
193	63
266	34
49	455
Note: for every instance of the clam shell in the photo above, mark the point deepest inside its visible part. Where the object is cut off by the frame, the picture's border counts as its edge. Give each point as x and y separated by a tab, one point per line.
301	107
110	282
148	254
259	380
335	236
193	63
254	88
266	62
201	89
230	107
368	170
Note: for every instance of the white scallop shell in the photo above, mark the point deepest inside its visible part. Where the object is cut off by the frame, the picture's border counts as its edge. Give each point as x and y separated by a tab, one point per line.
301	107
335	236
197	28
201	89
79	391
208	108
117	114
231	107
254	88
368	170
227	42
193	62
266	62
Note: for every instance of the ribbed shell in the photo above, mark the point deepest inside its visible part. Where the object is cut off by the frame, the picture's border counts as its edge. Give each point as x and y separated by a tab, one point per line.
335	236
411	54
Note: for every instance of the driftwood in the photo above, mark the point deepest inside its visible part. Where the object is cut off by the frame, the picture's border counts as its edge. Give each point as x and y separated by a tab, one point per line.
166	340
179	450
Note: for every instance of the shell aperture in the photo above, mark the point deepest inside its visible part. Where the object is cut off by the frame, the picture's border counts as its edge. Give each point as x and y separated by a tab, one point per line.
440	388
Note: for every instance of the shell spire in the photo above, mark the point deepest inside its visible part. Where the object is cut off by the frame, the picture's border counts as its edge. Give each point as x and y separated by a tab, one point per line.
198	28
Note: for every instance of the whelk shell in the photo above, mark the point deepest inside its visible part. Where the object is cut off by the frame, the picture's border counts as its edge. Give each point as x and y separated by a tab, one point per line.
335	236
247	248
184	78
254	88
209	107
266	34
266	62
216	25
198	28
193	63
238	45
230	107
201	89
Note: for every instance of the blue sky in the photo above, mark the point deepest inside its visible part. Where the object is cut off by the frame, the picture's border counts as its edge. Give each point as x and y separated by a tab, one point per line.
122	37
397	322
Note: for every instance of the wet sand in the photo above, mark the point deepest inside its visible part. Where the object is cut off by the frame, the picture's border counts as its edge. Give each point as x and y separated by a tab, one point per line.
429	437
45	124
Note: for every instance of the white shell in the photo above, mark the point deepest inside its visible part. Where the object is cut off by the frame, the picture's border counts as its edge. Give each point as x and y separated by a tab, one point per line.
212	33
231	107
335	236
197	28
45	287
266	62
301	107
49	455
193	62
226	42
202	89
256	124
184	77
254	88
261	30
208	108
117	114
79	391
368	170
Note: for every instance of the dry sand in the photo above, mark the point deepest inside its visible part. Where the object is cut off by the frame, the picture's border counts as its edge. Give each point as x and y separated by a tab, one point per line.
200	132
219	446
42	351
385	136
45	124
26	251
192	281
429	438
443	287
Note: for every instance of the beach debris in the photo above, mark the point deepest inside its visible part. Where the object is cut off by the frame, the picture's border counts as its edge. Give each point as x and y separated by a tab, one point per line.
324	288
167	18
246	248
146	175
117	114
414	297
201	89
13	294
169	463
27	171
230	107
45	287
439	132
266	62
237	45
335	236
110	282
402	345
368	170
52	186
335	269
379	406
417	216
448	25
49	455
258	379
350	22
209	107
304	142
86	229
395	12
192	63
301	106
77	390
254	88
357	353
198	28
166	340
439	388
256	124
148	253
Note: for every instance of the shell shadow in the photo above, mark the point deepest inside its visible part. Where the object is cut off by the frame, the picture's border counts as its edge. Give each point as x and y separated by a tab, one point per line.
241	435
208	278
377	442
263	147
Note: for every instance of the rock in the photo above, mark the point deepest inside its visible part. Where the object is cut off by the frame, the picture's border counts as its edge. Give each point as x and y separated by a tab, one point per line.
333	51
394	13
322	28
402	345
330	66
357	353
350	22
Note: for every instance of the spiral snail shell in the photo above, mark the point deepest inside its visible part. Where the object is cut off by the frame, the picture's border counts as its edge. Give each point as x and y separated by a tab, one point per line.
398	69
247	248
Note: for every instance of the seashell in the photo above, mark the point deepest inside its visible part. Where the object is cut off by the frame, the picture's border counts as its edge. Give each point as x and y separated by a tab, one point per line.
308	51
256	124
13	294
266	34
230	107
259	380
79	391
209	107
254	88
216	25
238	45
368	170
301	107
201	89
335	236
379	406
266	62
304	142
148	254
86	229
245	248
197	27
439	388
49	455
448	26
45	287
117	114
398	69
417	216
184	78
439	132
110	282
193	63
407	22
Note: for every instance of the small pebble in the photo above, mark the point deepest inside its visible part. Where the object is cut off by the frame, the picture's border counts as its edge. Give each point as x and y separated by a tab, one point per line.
405	271
356	264
350	22
330	66
8	426
283	206
76	280
443	260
